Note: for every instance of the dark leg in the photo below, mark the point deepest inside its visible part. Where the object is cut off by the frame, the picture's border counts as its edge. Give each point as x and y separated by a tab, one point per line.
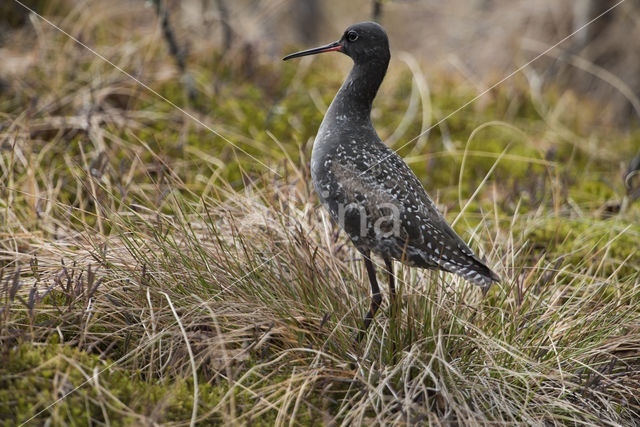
392	298
376	297
392	281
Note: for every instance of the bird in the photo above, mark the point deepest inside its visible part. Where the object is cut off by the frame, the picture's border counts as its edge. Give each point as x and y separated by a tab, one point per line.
367	187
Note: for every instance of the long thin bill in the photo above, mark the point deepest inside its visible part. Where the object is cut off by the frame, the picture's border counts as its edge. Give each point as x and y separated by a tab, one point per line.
326	48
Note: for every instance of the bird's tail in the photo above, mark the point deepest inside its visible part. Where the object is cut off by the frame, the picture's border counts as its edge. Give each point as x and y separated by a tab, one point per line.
475	271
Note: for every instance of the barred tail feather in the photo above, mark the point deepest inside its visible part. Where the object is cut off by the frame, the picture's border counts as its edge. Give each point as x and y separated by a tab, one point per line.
472	270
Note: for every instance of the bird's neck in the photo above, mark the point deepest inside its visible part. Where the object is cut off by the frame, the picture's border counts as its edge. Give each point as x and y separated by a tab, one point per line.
355	97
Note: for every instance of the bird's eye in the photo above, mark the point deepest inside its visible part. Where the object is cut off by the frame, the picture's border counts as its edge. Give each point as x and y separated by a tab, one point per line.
352	36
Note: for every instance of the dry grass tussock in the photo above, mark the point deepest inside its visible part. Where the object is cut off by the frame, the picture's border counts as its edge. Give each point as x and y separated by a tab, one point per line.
267	298
152	274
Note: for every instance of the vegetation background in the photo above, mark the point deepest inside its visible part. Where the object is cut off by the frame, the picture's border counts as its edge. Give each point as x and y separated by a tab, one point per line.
164	259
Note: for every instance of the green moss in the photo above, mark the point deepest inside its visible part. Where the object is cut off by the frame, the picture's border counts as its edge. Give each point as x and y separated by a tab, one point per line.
590	242
592	193
34	376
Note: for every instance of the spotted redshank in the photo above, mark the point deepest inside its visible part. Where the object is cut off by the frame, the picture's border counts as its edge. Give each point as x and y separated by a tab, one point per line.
368	189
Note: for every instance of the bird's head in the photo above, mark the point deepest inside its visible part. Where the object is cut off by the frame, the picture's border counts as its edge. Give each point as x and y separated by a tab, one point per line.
363	42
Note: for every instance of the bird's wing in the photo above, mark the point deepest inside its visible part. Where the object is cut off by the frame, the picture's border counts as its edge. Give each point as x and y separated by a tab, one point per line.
381	183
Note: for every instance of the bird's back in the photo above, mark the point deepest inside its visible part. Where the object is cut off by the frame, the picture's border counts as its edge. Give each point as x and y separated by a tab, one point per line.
380	203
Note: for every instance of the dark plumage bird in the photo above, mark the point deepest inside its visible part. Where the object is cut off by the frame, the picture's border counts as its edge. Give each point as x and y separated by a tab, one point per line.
368	189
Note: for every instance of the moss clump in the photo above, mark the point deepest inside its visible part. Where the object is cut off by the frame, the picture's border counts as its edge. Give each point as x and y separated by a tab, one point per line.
53	382
606	246
33	377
